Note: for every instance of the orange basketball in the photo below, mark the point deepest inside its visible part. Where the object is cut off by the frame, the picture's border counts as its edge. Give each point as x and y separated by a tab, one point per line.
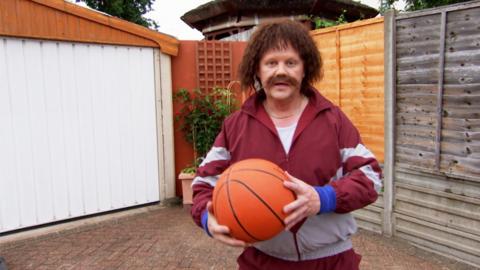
249	198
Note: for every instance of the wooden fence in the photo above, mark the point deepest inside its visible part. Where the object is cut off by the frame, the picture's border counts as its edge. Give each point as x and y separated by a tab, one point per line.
411	84
432	162
353	59
352	55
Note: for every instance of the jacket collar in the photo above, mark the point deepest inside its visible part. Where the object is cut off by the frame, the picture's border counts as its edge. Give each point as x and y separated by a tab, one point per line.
317	103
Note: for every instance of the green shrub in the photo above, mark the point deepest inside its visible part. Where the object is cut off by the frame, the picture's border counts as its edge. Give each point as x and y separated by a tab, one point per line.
201	118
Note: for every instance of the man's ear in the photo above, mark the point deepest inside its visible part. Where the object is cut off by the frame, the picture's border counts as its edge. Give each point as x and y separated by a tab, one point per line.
256	83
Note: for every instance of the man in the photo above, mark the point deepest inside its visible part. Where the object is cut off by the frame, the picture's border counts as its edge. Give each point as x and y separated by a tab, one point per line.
290	123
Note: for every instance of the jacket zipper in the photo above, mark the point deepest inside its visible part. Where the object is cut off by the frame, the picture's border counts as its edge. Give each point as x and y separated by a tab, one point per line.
299	257
288	163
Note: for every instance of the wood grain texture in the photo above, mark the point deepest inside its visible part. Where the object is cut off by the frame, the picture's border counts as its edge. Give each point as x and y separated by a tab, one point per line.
59	20
353	76
418	78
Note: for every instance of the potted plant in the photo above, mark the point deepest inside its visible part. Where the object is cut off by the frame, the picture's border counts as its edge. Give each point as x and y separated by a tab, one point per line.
201	117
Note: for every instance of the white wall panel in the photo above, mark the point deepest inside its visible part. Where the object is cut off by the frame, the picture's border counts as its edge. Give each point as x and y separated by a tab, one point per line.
73	166
77	130
100	125
150	132
55	131
165	109
22	132
41	163
84	101
9	212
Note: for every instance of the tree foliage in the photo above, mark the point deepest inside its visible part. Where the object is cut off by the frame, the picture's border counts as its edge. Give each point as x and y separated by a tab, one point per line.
412	5
323	23
423	4
130	10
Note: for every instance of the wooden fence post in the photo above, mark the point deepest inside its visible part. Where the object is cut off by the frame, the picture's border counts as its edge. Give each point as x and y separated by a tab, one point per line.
389	94
441	71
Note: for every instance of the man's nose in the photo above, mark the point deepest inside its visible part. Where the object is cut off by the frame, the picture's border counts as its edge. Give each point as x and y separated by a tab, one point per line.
281	69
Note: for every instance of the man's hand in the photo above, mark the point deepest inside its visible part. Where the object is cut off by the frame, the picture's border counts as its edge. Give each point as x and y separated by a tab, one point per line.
221	232
306	204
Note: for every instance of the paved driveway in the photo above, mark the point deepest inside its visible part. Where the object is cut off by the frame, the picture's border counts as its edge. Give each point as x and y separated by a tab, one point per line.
166	238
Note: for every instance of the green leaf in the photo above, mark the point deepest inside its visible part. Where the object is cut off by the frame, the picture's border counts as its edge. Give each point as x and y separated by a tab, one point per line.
201	116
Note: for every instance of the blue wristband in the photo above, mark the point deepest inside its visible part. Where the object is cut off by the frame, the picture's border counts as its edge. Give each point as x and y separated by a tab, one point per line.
204	221
328	198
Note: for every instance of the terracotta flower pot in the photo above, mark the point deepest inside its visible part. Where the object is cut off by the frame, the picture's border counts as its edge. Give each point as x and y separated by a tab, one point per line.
187	179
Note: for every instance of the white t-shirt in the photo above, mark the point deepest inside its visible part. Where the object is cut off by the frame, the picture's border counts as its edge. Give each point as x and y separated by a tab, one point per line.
286	136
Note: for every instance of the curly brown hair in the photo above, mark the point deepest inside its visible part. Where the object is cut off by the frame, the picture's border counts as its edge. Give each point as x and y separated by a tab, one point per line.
278	35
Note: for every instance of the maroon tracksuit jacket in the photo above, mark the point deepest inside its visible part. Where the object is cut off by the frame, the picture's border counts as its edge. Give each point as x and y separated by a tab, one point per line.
326	152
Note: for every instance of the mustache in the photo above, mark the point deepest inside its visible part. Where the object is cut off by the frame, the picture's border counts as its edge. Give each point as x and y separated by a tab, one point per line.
282	79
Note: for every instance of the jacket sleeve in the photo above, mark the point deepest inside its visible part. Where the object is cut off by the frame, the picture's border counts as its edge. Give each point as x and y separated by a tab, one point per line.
215	162
358	180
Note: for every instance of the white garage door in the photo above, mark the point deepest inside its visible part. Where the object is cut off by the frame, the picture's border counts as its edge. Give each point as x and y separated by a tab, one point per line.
77	130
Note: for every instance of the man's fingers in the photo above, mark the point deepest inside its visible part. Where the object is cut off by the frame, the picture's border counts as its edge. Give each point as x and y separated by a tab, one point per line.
292	178
293	186
222	235
305	205
295	217
221	232
209	207
294	205
292	223
231	241
290	207
220	229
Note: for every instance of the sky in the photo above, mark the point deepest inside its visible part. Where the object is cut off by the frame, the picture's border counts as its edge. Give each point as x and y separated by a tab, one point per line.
167	15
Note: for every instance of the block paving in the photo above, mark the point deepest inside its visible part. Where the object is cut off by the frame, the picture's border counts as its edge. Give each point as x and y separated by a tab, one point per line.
165	237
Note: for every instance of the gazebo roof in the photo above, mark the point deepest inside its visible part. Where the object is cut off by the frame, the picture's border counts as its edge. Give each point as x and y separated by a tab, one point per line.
203	15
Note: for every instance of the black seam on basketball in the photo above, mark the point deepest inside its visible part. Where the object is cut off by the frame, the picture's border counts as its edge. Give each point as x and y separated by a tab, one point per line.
233	210
220	187
261	200
225	184
259	170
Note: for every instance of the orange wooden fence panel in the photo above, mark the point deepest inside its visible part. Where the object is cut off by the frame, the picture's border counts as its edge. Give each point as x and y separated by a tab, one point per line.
61	20
352	56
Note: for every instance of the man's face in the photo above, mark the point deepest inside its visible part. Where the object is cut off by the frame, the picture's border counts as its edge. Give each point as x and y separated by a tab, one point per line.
281	73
